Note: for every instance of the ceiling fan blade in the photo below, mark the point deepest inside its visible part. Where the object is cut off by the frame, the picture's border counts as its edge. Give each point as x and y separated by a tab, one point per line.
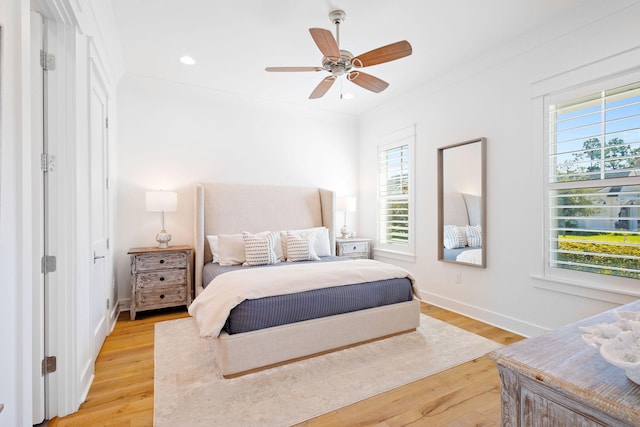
326	43
322	88
383	54
293	69
367	81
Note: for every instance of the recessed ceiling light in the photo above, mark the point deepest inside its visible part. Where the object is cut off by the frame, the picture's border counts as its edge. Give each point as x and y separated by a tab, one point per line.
187	60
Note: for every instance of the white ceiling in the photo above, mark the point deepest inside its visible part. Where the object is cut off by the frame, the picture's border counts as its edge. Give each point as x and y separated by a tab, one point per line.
233	41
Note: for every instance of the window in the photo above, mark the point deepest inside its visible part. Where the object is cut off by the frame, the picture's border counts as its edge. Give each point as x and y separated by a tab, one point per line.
594	183
394	193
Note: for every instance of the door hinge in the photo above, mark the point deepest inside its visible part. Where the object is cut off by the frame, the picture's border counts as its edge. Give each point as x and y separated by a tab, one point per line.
47	163
108	304
48	365
47	61
48	264
106	122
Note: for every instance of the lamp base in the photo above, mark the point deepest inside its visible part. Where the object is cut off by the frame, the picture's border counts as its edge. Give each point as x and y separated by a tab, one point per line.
345	232
163	239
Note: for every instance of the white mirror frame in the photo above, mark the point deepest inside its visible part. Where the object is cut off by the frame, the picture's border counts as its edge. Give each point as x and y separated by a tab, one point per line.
483	200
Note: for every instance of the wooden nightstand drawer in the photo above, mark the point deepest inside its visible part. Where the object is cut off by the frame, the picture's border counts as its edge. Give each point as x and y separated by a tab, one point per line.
161	279
161	296
157	261
353	248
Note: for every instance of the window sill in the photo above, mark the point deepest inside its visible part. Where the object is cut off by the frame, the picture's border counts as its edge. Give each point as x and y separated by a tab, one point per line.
607	293
399	256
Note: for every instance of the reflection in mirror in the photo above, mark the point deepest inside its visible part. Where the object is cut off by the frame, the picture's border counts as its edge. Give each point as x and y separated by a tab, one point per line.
461	203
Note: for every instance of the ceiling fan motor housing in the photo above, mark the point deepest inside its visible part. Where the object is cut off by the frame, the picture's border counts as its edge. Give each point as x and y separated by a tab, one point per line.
338	68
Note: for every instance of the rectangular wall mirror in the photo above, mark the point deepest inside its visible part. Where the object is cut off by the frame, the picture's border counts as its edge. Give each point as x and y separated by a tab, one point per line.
462	212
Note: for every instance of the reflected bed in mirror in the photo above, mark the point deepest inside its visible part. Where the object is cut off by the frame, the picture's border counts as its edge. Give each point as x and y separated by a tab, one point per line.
461	203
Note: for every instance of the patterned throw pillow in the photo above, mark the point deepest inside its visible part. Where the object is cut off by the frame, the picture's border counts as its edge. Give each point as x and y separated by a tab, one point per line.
300	247
259	249
474	236
454	237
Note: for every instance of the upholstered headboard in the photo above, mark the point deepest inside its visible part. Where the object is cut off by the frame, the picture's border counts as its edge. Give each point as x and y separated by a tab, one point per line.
462	209
234	208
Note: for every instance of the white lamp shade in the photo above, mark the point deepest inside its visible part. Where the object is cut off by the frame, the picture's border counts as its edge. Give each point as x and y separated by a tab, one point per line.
345	204
161	201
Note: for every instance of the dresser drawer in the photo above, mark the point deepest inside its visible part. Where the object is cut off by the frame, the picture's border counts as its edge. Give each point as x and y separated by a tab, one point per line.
147	262
161	279
354	248
161	296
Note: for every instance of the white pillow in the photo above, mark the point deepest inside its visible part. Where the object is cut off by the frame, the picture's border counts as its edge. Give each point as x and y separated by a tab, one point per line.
454	237
231	247
474	235
300	247
213	245
259	249
279	246
322	245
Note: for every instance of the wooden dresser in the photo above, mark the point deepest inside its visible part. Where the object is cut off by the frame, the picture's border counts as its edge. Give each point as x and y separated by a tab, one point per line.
160	278
556	379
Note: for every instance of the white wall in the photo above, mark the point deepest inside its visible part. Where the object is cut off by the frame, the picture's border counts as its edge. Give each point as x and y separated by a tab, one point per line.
171	136
491	96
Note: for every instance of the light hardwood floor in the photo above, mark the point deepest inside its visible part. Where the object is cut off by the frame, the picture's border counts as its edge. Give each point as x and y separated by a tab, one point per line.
466	395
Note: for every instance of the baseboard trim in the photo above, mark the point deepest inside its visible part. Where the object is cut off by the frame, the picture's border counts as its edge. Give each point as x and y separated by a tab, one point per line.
486	316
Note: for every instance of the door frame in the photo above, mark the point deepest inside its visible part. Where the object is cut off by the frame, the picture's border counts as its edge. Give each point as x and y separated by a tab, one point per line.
70	204
37	215
62	391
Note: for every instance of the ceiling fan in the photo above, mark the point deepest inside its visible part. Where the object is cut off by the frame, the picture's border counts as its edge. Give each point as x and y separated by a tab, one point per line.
340	62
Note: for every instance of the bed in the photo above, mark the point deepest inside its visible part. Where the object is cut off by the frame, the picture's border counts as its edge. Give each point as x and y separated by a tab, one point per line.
226	210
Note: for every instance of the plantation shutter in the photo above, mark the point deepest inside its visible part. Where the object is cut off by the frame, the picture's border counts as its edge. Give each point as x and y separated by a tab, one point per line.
594	183
393	195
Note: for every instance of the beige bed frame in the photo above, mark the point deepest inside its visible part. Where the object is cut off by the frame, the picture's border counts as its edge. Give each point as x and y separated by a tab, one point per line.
233	208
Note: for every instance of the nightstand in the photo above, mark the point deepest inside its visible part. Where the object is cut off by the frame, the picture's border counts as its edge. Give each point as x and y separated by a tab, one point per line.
160	278
355	248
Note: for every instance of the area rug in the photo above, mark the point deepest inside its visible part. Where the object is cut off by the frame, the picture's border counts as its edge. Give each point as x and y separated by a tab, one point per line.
189	389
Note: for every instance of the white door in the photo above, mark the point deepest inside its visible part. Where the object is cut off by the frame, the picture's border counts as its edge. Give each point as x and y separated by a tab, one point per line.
98	109
38	214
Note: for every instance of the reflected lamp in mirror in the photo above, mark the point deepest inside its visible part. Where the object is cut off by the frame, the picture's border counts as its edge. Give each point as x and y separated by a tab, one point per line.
161	201
461	203
345	204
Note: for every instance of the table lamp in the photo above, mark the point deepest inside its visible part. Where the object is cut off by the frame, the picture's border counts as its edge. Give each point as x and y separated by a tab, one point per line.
161	201
345	204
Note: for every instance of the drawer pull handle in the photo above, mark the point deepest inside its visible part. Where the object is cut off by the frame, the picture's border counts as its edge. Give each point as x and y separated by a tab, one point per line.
162	279
354	248
161	296
161	261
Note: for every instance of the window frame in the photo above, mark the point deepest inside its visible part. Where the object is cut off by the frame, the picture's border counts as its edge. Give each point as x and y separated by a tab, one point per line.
391	141
595	285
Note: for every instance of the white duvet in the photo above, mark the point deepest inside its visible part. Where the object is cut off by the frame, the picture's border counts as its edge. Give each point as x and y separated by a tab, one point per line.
212	307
